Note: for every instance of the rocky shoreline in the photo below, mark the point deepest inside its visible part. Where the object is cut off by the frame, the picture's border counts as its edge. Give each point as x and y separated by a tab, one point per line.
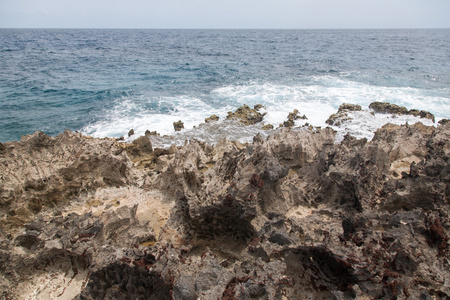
291	216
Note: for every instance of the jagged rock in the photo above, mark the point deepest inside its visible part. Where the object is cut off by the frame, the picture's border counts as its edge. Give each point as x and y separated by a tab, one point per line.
349	107
422	114
246	115
342	115
292	116
140	146
148	132
338	118
384	107
212	118
258	107
178	125
293	216
444	121
52	171
267	127
131	132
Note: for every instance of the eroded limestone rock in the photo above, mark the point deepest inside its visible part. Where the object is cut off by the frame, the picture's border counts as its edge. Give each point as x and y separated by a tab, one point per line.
291	216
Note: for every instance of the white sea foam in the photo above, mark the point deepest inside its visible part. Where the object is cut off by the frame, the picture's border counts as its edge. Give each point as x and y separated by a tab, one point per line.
363	124
317	98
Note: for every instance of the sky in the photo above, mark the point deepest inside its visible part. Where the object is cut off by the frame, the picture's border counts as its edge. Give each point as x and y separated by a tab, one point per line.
225	14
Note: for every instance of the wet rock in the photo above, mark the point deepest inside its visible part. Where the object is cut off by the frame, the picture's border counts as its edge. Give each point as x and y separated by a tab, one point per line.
267	127
337	119
246	115
148	132
349	107
211	119
343	114
178	125
131	132
295	115
444	121
384	107
258	107
422	114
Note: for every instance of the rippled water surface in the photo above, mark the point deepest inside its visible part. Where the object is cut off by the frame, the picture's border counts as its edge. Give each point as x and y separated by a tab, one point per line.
105	82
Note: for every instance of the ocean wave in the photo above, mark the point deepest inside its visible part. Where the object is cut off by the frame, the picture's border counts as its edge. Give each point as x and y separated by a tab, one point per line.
317	98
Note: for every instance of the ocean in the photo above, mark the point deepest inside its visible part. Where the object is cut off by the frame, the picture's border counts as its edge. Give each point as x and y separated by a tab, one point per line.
105	82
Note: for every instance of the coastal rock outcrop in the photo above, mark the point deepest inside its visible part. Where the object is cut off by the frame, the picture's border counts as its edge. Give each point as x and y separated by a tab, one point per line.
292	116
291	216
385	107
177	126
212	118
247	115
43	172
342	114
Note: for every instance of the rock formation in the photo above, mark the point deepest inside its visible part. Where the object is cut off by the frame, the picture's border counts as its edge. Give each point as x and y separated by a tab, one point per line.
212	118
444	121
342	114
178	125
267	127
148	132
292	116
293	216
247	115
384	107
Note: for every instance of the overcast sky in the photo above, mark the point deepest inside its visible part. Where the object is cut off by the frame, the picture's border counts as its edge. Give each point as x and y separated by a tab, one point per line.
225	14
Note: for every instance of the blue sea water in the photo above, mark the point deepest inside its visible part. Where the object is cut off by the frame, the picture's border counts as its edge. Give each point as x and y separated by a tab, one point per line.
105	82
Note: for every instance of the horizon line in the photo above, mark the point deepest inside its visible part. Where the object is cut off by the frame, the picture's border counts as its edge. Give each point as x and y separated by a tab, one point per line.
194	28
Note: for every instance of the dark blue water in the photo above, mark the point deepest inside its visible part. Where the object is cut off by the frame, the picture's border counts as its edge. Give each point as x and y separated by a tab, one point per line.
104	82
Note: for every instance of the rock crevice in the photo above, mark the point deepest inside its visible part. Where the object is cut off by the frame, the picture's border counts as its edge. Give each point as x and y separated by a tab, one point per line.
291	216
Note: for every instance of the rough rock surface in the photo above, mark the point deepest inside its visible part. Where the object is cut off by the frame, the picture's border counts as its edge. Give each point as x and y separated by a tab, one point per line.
349	107
177	126
267	127
148	132
342	114
247	115
293	216
444	121
384	107
212	118
292	116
